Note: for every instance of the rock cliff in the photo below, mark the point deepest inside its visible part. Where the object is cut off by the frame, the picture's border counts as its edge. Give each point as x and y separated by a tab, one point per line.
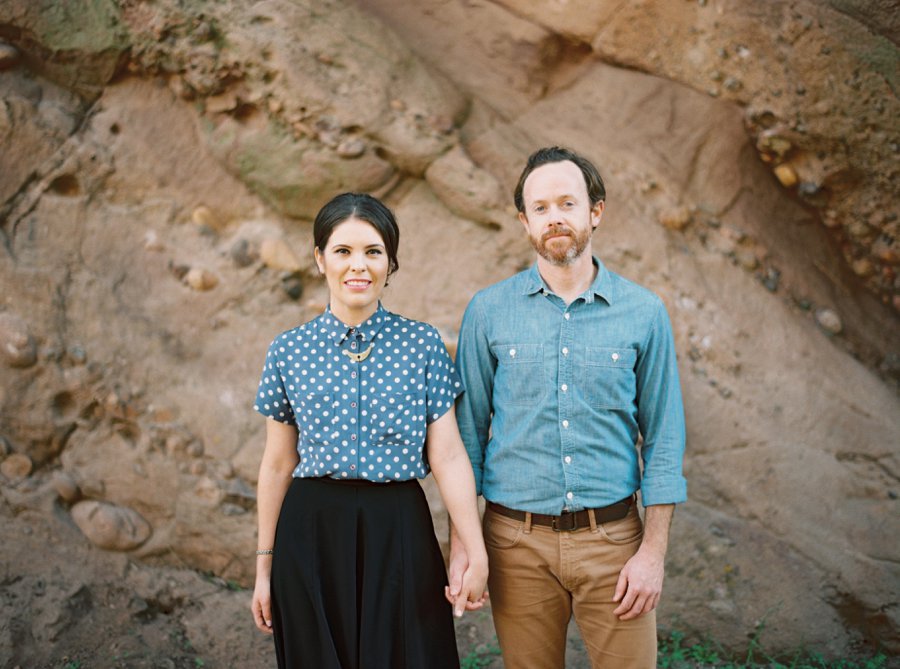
161	162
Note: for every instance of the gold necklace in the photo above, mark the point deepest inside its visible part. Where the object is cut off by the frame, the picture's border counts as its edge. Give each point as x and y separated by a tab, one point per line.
359	357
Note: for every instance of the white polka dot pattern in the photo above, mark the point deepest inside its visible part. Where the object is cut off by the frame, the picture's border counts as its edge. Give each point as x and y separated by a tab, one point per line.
364	419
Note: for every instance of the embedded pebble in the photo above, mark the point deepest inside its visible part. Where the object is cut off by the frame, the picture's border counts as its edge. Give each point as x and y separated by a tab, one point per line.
77	354
747	258
17	346
111	526
769	142
152	241
204	216
292	285
275	253
863	267
885	252
786	175
241	253
771	278
351	148
16	467
9	56
808	189
829	321
675	219
201	279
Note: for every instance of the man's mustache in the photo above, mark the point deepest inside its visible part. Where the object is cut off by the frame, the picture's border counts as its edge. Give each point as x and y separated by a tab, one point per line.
556	231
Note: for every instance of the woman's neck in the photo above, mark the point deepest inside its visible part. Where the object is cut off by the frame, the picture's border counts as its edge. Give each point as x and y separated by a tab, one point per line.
353	317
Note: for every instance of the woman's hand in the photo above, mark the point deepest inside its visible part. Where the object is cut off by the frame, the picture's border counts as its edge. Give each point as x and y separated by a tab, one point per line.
457	573
261	604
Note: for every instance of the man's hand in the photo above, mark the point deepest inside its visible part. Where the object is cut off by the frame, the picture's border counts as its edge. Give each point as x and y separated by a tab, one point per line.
639	586
640	581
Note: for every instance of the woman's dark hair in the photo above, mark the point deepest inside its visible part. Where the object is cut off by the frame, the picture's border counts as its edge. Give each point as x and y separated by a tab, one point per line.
366	208
557	154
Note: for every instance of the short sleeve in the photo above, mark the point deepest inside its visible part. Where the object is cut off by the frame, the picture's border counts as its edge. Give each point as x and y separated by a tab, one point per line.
443	382
271	396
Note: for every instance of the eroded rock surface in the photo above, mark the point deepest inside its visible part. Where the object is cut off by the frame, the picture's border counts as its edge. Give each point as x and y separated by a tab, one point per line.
162	162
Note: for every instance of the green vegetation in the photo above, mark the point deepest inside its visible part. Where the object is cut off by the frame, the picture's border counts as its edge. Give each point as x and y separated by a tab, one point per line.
674	653
480	658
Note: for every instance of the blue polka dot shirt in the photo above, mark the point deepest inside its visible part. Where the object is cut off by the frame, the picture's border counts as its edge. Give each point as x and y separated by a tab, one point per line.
365	419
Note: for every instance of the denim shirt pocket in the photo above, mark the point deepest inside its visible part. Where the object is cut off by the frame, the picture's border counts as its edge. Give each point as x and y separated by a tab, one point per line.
520	373
317	418
609	381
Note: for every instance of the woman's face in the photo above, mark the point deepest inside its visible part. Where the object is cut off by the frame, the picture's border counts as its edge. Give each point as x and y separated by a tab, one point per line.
355	265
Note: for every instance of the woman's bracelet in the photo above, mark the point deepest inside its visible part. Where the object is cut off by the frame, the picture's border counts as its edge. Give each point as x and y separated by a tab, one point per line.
268	551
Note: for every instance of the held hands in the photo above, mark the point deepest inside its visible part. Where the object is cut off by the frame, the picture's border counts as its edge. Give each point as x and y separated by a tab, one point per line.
639	585
468	580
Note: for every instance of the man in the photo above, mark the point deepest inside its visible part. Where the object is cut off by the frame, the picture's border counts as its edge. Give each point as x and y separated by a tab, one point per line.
565	365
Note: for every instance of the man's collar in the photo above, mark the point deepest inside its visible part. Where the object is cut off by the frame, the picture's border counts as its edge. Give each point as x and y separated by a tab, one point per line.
601	285
338	332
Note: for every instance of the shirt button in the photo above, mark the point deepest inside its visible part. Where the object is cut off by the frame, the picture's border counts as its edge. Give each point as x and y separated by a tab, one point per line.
565	351
353	345
568	459
566	424
352	467
512	353
615	356
352	437
564	387
352	405
566	315
352	375
569	495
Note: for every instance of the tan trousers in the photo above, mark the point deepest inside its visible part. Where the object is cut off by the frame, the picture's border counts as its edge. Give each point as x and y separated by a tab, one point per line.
539	578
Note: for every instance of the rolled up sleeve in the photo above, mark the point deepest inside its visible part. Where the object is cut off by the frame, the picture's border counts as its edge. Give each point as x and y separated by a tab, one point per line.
661	415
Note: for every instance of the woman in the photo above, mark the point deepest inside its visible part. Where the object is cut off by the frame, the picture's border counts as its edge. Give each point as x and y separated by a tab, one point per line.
359	405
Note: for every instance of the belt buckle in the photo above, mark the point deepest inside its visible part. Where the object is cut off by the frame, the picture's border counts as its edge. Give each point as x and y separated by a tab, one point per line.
564	522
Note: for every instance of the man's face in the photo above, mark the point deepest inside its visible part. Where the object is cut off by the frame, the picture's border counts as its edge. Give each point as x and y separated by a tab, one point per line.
559	218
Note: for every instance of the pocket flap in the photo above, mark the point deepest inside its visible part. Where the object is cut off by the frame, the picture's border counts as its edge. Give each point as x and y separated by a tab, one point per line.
611	357
513	353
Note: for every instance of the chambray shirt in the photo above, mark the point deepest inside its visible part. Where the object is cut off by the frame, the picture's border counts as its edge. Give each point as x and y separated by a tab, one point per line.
364	419
557	395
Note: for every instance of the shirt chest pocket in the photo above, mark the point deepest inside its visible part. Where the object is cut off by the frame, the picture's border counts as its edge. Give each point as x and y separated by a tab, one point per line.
318	417
397	418
520	377
608	377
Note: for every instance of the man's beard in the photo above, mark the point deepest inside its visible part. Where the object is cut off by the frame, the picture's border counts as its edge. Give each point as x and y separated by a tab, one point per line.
561	255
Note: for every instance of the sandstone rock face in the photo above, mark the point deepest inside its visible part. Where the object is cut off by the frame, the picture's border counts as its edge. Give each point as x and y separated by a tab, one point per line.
155	220
786	65
76	44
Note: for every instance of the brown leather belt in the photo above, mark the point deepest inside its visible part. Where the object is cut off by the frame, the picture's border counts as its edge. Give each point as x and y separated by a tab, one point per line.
568	521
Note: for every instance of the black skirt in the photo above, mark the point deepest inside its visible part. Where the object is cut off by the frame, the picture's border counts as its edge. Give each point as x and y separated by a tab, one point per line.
358	579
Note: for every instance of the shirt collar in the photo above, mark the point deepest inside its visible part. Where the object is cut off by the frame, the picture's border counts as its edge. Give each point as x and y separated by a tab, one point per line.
601	286
338	332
